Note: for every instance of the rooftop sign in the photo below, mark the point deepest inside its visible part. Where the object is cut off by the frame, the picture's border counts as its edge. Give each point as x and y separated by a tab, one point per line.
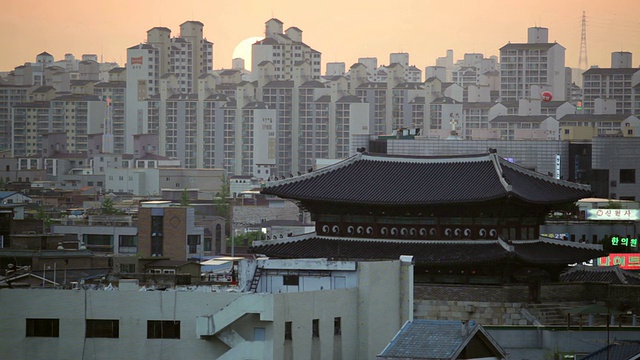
613	214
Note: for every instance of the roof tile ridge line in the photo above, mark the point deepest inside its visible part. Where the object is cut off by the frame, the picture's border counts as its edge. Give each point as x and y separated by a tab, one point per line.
620	275
496	164
507	247
319	172
547	178
560	242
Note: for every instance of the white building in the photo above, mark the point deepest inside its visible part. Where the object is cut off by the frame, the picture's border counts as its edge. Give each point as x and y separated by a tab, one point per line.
536	62
283	50
302	309
617	84
187	57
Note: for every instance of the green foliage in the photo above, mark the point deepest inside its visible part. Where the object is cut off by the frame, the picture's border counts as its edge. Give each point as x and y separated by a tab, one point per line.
246	238
107	207
3	184
185	200
43	215
614	205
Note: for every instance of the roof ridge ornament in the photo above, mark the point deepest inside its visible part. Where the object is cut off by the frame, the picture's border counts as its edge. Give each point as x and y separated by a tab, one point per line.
493	155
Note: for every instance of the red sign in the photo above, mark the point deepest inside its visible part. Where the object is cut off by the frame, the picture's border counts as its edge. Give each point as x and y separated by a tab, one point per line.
136	60
625	261
546	96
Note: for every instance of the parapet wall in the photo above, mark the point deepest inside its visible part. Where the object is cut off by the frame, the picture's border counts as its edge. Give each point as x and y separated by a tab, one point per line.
510	304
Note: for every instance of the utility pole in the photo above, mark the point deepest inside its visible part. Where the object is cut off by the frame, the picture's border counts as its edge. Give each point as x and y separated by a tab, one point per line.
583	61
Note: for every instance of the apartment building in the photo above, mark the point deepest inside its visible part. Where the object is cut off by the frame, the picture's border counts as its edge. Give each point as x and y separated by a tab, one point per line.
9	96
283	49
618	84
527	69
186	57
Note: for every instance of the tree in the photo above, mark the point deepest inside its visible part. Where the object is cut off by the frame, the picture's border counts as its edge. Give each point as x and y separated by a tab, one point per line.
108	207
43	215
185	200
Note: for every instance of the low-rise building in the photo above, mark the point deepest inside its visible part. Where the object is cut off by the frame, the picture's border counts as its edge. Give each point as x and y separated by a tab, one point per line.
300	309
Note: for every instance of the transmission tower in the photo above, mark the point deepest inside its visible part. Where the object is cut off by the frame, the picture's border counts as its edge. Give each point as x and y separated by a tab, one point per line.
583	61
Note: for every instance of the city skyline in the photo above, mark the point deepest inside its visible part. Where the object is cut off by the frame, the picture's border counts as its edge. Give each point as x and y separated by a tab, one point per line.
365	30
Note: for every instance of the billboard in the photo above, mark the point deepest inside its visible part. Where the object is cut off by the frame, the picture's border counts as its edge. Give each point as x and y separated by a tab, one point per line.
629	261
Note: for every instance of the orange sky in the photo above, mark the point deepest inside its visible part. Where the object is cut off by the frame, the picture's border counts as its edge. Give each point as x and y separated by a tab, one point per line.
341	30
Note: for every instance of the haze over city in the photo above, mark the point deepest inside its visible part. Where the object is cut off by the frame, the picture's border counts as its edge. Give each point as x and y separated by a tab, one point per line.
341	31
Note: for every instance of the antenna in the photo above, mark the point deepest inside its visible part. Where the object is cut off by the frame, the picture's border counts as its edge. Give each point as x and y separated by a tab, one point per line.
583	61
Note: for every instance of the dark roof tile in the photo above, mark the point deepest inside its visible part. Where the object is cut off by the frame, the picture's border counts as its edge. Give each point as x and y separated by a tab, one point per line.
387	180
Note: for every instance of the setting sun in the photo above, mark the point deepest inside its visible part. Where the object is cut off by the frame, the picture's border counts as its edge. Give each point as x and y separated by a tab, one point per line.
243	50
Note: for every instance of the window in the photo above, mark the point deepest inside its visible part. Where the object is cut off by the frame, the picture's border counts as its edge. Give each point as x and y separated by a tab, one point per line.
128	268
163	329
128	244
102	328
290	280
43	327
288	330
337	326
193	241
627	176
315	328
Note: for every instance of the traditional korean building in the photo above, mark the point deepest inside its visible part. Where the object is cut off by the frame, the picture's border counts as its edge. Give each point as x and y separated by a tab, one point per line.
464	219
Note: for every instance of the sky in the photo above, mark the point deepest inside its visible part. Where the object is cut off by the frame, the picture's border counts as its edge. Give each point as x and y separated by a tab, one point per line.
342	31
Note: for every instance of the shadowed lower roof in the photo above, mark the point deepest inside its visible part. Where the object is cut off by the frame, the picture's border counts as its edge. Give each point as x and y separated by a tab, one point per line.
399	180
434	252
439	340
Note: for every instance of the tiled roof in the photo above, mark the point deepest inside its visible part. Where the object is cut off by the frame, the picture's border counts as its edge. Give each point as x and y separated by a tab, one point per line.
445	100
373	85
519	118
602	274
229	72
111	84
267	41
409	85
619	350
610	71
313	84
366	179
594	117
43	89
349	99
434	252
256	105
280	84
217	97
437	339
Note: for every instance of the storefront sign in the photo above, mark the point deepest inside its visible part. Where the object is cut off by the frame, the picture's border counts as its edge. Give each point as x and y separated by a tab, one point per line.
625	261
613	214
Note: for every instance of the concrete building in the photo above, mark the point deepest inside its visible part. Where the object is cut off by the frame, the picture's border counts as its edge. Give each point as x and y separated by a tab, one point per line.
283	49
303	309
617	84
186	57
527	69
10	95
114	123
